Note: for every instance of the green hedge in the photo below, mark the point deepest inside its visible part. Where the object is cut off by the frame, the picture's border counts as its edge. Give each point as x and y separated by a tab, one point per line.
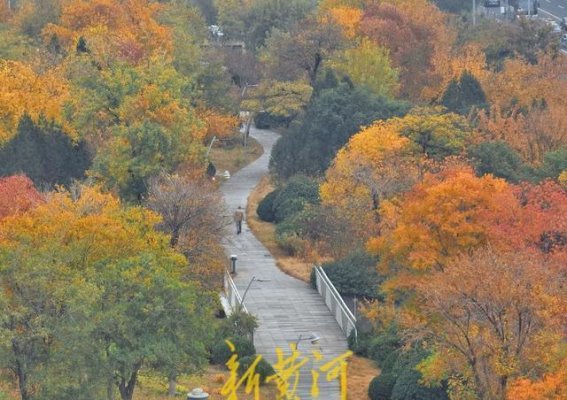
221	353
293	196
265	209
380	387
355	275
263	368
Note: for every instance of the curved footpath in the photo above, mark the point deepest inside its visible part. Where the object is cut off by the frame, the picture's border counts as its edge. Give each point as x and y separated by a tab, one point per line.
286	307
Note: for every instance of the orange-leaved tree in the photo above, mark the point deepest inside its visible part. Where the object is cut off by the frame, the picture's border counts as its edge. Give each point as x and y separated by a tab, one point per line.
416	34
528	105
491	317
112	30
17	195
441	217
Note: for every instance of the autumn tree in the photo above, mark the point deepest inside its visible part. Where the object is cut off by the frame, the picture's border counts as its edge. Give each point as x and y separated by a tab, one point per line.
386	159
415	35
285	100
113	31
535	218
17	195
376	164
25	92
192	214
369	65
441	217
302	51
491	330
92	294
527	111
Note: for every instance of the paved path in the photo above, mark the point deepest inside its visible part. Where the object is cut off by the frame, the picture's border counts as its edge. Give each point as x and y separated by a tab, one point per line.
285	307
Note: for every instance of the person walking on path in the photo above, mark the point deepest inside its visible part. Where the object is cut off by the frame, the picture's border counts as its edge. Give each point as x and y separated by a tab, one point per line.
238	217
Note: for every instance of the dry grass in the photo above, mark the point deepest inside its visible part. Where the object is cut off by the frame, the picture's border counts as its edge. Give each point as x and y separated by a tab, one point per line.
360	372
153	388
234	157
265	232
211	381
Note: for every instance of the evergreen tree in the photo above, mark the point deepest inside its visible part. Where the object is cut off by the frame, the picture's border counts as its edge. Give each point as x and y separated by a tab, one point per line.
464	94
330	120
44	153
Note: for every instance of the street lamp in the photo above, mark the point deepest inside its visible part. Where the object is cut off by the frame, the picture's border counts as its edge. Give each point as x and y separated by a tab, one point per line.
233	259
313	337
248	287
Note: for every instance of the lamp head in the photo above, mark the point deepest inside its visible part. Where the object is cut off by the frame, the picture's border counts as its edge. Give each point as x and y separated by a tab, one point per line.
233	257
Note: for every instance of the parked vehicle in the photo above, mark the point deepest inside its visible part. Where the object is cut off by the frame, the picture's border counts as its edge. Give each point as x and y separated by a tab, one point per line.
527	7
492	3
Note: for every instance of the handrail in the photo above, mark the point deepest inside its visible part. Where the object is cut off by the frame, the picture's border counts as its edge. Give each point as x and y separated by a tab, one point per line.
232	294
322	278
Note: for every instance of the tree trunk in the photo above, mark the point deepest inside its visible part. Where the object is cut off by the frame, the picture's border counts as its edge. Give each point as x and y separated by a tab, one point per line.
172	387
174	238
110	388
20	370
22	382
127	388
247	130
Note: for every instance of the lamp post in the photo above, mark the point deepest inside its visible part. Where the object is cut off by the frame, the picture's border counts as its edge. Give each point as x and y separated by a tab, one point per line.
313	337
248	287
233	258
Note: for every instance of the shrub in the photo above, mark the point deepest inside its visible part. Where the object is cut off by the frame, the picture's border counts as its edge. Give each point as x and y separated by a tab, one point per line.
221	353
407	386
291	243
265	120
359	345
293	197
384	347
263	368
380	387
355	275
265	208
239	324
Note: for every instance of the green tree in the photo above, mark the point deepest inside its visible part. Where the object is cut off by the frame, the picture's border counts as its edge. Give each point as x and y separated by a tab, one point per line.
554	163
293	196
355	275
252	21
44	153
90	294
330	120
462	95
497	158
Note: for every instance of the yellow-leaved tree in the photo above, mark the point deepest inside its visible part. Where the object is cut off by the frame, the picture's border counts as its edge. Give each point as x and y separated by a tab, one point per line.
369	65
26	92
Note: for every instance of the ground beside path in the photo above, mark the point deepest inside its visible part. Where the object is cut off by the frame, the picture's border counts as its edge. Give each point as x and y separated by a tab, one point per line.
286	307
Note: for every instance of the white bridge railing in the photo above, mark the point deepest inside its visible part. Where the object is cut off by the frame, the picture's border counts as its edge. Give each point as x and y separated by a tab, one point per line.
335	303
232	296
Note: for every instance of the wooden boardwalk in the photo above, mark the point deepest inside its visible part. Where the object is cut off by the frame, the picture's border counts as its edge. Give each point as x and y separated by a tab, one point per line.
286	307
